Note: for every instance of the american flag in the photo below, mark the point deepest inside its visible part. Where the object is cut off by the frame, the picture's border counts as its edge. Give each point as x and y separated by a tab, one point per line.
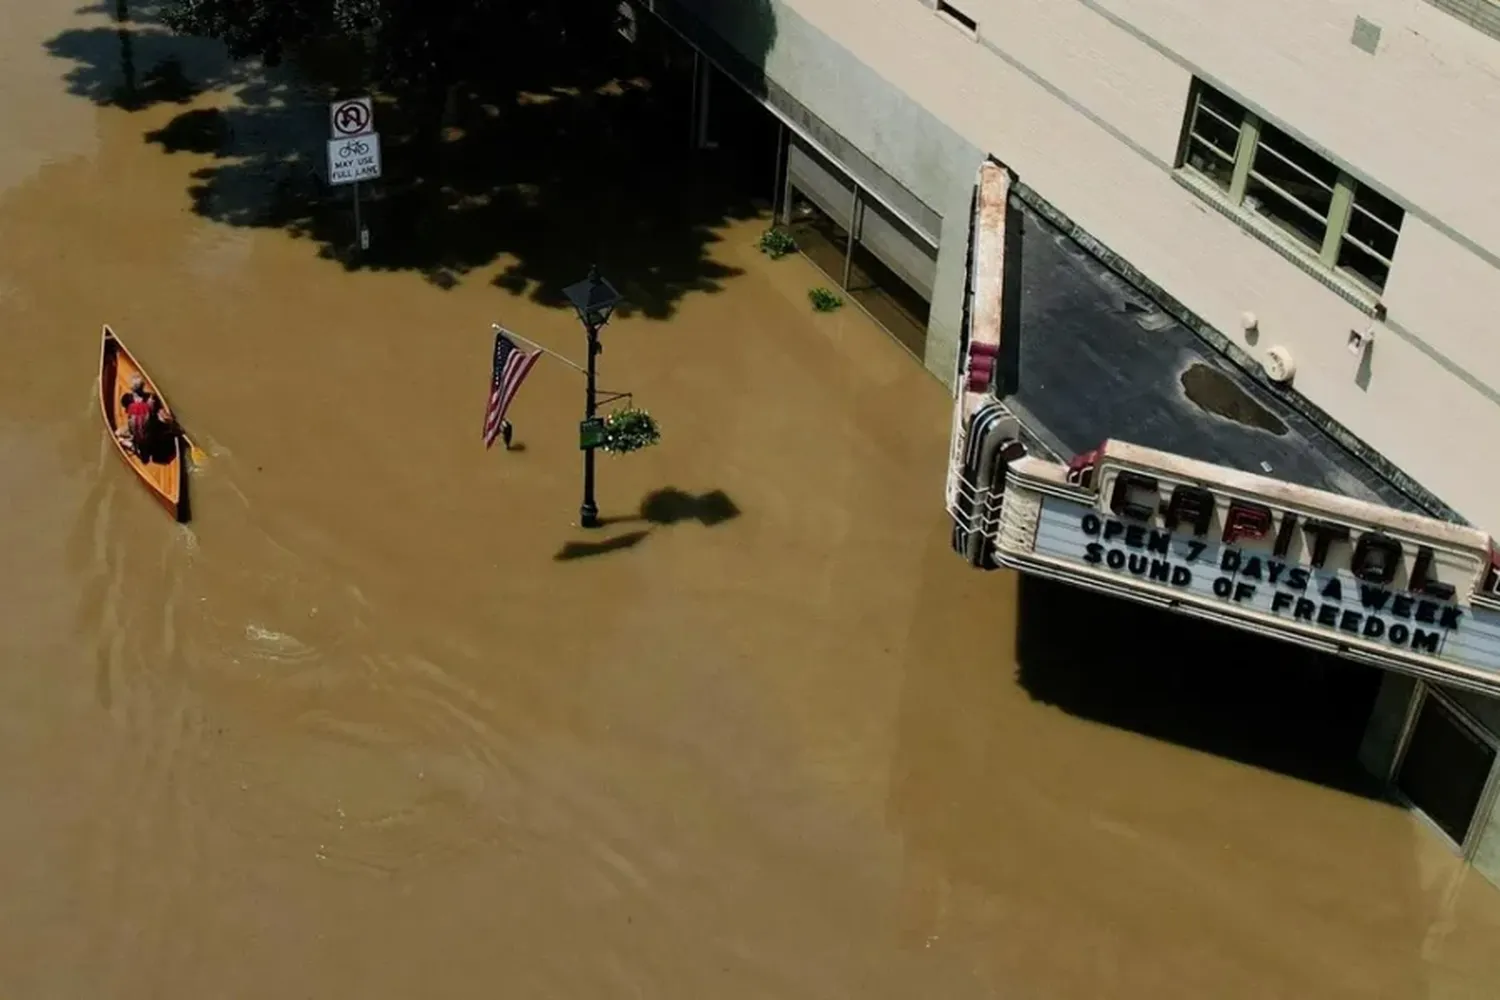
512	365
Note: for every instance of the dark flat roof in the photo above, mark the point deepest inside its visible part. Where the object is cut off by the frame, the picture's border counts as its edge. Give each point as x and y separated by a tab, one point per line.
1099	359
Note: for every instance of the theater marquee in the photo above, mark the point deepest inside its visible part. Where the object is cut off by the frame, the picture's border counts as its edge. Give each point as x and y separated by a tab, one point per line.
1324	570
1358	579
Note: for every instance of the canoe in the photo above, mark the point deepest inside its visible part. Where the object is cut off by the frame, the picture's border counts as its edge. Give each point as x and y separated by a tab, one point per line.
165	473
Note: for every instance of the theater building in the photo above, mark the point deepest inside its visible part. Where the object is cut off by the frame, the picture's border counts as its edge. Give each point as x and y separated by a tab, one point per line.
1212	495
1212	285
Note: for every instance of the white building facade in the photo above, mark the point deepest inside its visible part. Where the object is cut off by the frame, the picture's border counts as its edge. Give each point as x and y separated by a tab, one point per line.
1377	120
1303	188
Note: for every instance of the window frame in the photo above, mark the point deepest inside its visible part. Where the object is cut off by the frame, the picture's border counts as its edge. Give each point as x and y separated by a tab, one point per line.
1342	206
1478	822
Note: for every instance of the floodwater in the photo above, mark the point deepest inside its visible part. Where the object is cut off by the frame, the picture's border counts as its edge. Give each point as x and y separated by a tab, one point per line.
381	724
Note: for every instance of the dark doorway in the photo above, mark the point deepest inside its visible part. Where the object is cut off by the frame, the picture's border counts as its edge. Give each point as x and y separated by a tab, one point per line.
1197	684
1445	768
672	65
741	139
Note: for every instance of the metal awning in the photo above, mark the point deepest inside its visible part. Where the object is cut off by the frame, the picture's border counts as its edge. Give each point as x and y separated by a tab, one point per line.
1099	359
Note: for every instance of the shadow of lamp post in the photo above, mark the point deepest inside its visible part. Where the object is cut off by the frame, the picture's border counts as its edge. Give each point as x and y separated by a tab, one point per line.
594	299
127	52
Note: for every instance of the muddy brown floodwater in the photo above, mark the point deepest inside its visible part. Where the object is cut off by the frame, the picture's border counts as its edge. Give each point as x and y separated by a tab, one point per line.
359	731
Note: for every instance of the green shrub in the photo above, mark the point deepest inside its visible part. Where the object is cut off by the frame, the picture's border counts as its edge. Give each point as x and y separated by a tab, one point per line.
777	243
824	299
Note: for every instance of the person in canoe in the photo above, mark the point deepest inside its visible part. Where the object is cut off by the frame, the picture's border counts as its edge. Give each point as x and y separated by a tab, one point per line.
148	422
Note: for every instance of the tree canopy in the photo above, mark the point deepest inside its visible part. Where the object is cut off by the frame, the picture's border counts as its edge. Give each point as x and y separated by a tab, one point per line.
410	42
521	138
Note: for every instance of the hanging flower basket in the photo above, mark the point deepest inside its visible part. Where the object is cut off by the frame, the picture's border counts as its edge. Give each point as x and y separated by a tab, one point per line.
629	429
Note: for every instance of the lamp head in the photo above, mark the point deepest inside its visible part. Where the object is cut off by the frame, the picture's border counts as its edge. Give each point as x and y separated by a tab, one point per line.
593	298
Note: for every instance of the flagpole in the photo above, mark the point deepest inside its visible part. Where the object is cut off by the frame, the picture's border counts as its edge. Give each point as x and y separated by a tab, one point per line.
496	328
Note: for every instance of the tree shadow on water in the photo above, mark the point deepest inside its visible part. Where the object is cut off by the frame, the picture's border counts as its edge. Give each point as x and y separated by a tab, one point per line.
566	154
137	63
1197	684
660	508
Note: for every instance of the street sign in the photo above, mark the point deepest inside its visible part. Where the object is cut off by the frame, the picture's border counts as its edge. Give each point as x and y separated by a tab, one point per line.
590	433
353	160
351	117
353	152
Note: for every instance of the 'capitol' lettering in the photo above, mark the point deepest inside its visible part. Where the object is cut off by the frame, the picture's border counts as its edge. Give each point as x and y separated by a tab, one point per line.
1374	557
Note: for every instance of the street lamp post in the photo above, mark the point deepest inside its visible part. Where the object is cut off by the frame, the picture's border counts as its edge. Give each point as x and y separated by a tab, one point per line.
594	299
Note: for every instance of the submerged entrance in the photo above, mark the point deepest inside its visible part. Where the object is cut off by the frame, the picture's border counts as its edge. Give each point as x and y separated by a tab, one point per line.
1268	703
1198	684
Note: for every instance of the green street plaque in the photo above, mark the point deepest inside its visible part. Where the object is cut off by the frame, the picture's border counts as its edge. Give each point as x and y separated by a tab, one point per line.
590	433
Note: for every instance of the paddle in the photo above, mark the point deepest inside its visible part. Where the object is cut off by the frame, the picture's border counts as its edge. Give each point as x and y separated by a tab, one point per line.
196	455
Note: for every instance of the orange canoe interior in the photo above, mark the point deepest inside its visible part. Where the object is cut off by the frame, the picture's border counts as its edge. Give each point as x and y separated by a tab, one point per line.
163	474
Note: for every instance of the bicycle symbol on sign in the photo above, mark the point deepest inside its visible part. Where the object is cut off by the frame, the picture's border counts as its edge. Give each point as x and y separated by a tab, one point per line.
353	148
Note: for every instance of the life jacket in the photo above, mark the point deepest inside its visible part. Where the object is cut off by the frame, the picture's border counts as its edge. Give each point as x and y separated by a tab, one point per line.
138	414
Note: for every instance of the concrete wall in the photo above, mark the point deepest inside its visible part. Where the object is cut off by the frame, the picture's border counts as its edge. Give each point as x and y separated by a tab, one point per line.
1084	99
923	154
885	137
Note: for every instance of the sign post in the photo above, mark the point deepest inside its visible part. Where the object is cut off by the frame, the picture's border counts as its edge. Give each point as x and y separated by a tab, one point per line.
354	152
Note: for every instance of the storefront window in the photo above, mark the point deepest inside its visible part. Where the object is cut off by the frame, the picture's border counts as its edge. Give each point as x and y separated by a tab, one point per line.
887	269
818	235
892	275
1445	768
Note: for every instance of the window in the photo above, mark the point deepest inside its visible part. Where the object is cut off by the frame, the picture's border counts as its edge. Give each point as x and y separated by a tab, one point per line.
1445	767
963	22
884	264
1348	227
